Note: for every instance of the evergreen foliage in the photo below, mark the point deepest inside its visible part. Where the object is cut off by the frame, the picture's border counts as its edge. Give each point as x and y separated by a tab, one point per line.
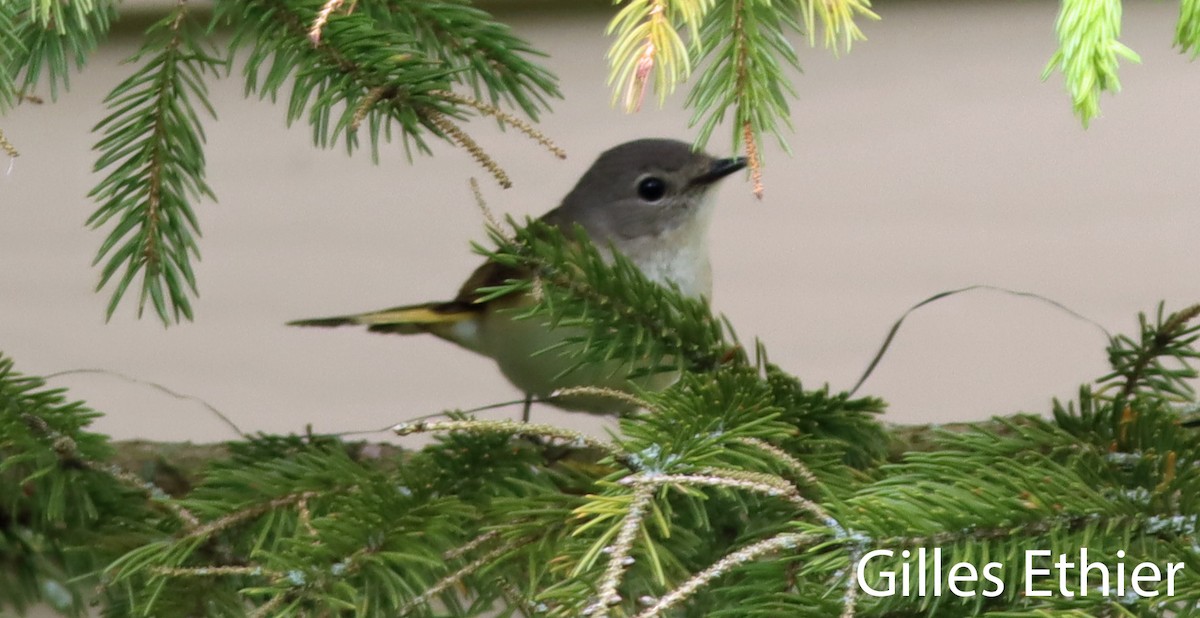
63	512
389	69
738	492
153	144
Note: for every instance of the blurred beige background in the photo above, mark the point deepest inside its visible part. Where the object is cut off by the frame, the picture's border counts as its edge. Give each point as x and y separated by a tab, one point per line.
931	157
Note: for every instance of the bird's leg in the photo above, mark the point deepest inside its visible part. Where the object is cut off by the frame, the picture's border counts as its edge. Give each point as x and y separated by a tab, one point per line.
525	410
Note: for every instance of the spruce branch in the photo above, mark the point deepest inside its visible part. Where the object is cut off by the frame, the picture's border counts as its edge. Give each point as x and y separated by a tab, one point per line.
153	150
624	316
1088	52
1138	366
384	68
388	67
270	607
491	223
364	107
252	512
215	571
42	40
57	494
647	42
293	525
518	600
356	58
744	48
485	55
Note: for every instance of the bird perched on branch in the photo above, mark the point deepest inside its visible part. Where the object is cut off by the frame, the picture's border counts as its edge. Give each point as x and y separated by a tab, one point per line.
649	199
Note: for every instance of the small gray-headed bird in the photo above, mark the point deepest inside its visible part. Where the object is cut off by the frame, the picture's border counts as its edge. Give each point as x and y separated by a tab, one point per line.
649	199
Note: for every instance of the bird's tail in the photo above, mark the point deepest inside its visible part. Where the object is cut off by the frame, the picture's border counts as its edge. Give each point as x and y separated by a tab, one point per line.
407	320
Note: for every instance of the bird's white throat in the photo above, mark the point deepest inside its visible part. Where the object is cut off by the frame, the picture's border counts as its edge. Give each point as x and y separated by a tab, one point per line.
679	255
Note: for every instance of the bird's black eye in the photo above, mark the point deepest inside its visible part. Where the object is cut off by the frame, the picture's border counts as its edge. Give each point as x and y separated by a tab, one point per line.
651	189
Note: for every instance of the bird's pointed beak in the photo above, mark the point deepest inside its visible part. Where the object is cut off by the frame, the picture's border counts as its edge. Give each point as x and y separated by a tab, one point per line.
720	169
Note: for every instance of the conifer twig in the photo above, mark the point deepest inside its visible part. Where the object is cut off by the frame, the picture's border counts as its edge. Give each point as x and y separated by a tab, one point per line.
724	565
450	580
596	391
517	599
237	517
470	546
509	427
765	484
505	117
466	142
314	33
619	559
1163	336
68	450
215	571
795	465
269	607
154	492
306	518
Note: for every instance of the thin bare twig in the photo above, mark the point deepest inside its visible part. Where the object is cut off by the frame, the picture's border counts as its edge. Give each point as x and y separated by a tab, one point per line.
177	395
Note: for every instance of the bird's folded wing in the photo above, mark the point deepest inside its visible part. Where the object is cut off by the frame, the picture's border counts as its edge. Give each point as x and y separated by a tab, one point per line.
489	275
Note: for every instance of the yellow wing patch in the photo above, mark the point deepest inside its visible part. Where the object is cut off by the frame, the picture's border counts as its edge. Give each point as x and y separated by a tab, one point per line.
417	315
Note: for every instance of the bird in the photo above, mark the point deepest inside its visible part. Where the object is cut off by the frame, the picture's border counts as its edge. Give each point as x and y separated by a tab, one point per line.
651	200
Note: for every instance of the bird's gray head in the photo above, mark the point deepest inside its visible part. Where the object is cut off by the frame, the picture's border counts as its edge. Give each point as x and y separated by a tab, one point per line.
645	188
